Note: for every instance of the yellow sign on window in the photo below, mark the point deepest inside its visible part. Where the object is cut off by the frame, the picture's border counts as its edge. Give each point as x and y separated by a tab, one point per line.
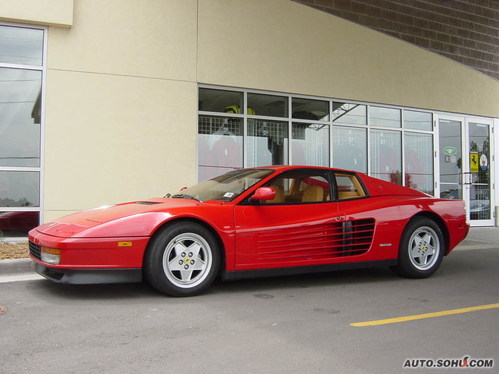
474	162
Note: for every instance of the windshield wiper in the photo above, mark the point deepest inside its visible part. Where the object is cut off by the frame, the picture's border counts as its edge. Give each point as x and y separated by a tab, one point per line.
184	196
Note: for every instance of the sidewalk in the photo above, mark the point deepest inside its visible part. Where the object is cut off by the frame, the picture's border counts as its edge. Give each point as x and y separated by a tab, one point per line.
478	238
481	237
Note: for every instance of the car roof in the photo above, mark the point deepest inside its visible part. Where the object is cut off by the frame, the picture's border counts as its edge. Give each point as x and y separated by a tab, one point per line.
296	167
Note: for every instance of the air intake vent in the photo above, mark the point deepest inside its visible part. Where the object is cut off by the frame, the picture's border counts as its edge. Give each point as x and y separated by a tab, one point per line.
356	237
316	241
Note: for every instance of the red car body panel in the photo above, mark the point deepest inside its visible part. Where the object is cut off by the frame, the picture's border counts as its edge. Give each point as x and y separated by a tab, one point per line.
254	237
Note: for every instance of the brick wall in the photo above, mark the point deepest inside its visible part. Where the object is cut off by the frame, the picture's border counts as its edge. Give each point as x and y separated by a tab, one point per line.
466	31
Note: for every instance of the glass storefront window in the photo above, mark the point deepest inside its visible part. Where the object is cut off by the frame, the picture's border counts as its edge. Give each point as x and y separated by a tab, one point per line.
310	144
307	109
21	46
418	150
220	101
349	113
220	146
350	148
278	128
417	120
267	143
21	112
384	117
17	223
386	155
268	105
20	115
19	189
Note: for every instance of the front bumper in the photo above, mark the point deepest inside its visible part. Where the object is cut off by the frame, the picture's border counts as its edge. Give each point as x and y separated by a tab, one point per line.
89	276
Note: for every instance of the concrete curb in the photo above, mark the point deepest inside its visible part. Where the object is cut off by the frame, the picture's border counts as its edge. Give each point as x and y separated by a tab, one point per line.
22	265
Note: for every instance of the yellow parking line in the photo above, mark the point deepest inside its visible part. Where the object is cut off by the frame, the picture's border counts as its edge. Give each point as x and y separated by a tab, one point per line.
426	315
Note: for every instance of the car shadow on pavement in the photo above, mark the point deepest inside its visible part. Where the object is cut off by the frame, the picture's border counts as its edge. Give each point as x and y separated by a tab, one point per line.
94	292
143	290
314	280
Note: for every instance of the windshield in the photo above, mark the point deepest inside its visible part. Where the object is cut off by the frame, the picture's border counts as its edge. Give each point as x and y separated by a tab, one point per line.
226	187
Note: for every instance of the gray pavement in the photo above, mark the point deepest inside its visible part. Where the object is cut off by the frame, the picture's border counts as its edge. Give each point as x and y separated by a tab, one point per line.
300	324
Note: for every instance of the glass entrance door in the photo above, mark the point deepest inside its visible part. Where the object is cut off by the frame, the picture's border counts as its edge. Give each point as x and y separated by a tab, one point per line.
465	166
479	173
451	158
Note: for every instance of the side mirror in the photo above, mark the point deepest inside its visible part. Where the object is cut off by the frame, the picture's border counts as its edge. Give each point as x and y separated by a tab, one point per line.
264	193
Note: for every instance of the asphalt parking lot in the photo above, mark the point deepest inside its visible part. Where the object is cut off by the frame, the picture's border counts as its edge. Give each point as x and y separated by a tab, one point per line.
302	324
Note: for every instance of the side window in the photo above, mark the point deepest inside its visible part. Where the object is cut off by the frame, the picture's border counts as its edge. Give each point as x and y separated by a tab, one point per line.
349	186
305	187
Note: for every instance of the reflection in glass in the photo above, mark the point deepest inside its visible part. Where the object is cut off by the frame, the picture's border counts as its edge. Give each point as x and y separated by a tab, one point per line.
21	46
225	187
268	105
479	202
220	100
480	171
19	189
267	143
349	148
220	146
386	160
419	161
417	120
314	110
310	144
348	113
451	191
384	117
20	115
17	224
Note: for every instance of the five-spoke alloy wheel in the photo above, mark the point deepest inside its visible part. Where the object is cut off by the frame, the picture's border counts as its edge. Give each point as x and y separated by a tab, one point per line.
182	260
421	249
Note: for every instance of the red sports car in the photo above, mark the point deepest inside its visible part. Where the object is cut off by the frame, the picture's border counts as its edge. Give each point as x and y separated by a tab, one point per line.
253	222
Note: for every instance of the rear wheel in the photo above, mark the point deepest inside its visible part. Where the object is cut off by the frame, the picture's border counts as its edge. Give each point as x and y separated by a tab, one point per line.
421	249
183	260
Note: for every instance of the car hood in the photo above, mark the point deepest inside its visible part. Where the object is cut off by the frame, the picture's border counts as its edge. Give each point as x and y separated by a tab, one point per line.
131	219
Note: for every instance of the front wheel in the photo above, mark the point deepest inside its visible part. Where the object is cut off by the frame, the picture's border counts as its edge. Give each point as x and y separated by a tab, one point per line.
183	260
421	249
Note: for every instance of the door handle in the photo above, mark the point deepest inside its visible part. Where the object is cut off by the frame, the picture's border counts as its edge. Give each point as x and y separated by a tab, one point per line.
467	177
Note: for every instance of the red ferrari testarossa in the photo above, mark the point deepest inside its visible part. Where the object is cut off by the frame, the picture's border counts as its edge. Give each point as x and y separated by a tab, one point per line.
253	222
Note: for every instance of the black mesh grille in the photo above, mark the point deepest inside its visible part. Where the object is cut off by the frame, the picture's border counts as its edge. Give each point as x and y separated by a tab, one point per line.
35	250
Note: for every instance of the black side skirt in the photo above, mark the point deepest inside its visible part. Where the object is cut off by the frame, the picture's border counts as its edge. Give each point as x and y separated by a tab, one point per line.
263	273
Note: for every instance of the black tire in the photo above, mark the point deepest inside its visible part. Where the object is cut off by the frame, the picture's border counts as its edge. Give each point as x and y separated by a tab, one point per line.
182	260
421	249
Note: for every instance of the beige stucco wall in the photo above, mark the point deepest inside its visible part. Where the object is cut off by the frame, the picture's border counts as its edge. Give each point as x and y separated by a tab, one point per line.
284	46
121	94
131	138
153	38
44	12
